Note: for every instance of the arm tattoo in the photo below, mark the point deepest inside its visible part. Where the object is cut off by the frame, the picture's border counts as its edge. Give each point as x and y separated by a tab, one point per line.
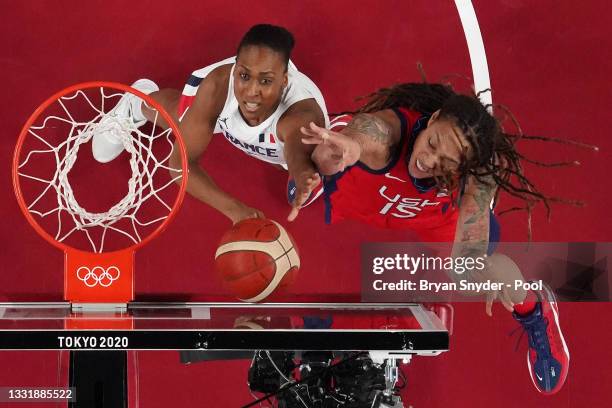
475	228
483	197
372	126
472	237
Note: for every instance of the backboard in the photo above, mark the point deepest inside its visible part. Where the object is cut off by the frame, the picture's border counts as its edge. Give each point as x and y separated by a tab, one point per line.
397	328
98	340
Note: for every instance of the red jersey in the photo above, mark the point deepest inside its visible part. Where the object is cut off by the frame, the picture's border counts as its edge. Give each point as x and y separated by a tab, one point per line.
390	197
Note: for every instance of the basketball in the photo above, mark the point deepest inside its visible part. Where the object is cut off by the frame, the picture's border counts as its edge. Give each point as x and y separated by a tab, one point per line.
256	258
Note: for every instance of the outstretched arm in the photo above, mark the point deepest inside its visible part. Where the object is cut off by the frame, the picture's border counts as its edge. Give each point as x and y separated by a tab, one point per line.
367	137
472	240
197	129
334	151
300	165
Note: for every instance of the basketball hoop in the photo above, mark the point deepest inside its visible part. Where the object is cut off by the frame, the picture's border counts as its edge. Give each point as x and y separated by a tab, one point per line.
99	245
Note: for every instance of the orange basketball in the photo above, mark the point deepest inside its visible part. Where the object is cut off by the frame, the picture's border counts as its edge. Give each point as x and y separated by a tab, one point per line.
256	258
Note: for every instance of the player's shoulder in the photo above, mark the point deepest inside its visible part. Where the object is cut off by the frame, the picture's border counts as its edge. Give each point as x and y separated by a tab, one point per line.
386	115
299	114
308	105
385	120
211	95
218	78
213	90
299	97
395	117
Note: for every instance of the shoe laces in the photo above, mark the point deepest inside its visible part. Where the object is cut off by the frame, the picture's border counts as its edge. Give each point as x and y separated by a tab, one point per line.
536	328
113	127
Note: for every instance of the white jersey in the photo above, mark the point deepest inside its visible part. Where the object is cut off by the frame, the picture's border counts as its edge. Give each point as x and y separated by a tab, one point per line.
259	141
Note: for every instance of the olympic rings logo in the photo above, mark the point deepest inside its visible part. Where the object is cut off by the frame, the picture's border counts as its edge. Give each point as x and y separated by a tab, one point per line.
98	275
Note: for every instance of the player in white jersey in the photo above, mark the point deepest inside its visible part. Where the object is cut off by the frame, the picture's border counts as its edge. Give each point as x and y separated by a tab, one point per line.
258	100
260	141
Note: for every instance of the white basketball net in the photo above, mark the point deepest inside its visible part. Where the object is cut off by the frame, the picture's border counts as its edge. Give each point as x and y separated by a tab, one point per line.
143	163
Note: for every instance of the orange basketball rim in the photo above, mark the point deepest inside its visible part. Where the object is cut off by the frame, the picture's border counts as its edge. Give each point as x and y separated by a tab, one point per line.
99	246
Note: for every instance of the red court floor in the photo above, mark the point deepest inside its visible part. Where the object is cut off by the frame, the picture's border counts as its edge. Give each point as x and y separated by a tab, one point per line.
547	61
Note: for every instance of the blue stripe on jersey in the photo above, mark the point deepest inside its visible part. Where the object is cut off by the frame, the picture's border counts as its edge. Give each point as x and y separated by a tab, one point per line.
329	186
194	81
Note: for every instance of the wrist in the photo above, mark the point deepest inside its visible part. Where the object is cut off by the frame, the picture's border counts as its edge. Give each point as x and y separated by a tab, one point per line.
232	209
302	170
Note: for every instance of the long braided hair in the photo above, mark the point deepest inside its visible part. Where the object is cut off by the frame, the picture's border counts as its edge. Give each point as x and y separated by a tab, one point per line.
495	158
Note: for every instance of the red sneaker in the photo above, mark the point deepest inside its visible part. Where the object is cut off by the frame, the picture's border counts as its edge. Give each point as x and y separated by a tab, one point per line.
548	356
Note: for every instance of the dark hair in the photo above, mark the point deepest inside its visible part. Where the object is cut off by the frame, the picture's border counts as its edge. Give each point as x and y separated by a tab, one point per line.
495	156
274	37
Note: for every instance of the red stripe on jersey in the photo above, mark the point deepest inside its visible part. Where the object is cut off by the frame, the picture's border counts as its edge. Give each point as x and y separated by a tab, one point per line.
339	122
272	138
184	103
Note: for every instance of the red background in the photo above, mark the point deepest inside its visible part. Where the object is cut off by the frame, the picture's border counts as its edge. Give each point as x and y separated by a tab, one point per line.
546	61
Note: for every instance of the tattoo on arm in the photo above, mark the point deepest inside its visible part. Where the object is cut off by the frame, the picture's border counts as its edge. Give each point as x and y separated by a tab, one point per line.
482	197
475	228
371	126
472	236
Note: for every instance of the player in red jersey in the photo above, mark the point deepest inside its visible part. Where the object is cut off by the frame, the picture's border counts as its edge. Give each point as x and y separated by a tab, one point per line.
422	157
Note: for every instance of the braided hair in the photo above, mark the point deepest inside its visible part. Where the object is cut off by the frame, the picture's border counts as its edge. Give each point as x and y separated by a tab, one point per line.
495	158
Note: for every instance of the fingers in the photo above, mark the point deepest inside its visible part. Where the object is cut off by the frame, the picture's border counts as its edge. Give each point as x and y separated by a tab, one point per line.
300	198
312	141
305	188
311	138
248	213
507	301
316	134
314	130
302	194
318	129
313	181
293	214
489	307
319	135
259	214
503	297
